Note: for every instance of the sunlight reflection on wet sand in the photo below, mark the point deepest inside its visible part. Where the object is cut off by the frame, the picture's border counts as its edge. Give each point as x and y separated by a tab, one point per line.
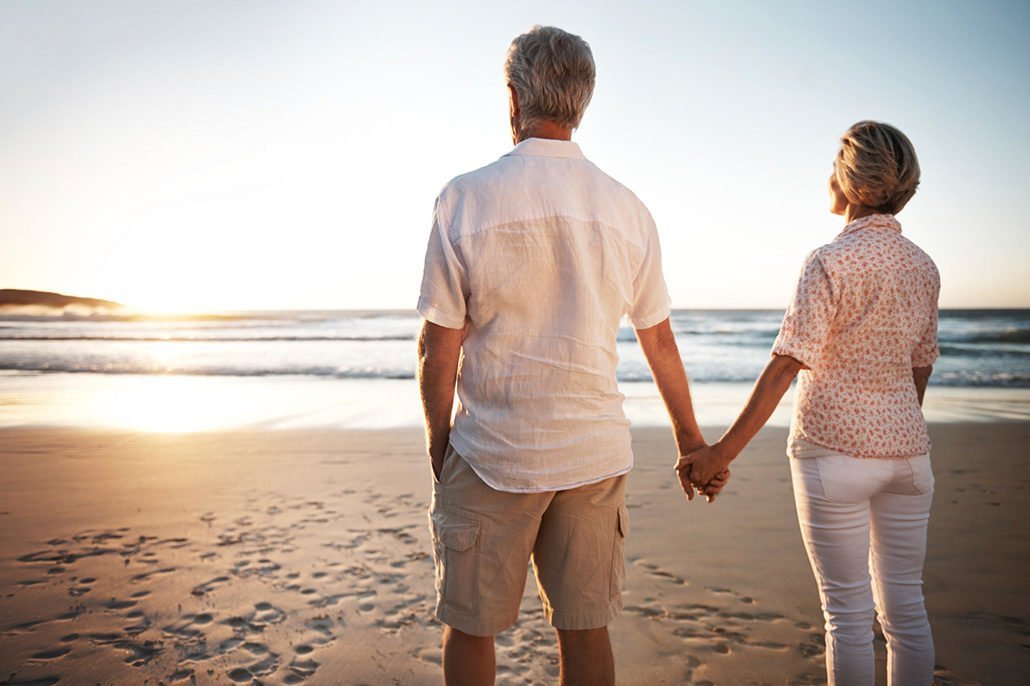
177	404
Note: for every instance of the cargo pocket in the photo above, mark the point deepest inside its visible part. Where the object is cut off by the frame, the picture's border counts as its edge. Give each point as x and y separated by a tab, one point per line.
457	561
618	552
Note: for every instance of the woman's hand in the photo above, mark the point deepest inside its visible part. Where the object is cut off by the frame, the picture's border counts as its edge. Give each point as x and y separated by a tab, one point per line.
706	469
715	486
699	468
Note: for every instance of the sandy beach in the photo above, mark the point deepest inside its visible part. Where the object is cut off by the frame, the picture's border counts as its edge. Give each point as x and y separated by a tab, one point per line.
303	557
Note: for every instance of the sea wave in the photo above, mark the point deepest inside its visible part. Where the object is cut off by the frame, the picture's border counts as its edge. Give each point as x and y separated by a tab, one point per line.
157	369
1011	336
978	348
1016	352
631	374
129	338
1010	343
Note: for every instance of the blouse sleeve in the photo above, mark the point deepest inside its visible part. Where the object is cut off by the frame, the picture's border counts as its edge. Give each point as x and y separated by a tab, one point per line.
806	323
926	350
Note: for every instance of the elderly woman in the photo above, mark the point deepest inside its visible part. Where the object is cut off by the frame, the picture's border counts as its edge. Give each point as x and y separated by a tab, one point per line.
862	333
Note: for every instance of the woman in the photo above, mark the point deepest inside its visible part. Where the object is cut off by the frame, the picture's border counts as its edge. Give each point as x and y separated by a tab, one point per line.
862	332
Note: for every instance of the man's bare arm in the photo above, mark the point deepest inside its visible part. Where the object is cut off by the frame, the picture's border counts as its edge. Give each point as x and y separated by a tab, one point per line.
439	349
663	356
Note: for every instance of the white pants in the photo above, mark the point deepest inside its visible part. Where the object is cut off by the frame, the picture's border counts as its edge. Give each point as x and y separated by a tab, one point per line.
862	517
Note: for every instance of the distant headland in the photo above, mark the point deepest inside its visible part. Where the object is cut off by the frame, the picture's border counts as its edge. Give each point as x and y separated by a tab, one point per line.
21	302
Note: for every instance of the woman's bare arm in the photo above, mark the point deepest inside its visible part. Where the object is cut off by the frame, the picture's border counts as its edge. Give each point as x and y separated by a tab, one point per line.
774	381
921	376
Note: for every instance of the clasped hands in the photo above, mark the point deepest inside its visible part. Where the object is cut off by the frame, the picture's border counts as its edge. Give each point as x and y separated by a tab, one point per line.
706	469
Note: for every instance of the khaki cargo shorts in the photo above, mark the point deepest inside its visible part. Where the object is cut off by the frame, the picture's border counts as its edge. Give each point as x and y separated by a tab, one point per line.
483	541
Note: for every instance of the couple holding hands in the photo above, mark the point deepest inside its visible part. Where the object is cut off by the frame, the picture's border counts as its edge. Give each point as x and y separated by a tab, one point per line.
532	263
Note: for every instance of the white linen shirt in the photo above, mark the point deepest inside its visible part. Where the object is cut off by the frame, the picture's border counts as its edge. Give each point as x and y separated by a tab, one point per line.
540	255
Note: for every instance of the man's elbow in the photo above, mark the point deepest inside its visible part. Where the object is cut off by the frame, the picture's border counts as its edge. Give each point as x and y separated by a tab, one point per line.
422	346
438	344
658	340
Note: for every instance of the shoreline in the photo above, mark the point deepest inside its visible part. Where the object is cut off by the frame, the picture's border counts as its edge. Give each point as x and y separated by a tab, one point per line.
180	404
303	556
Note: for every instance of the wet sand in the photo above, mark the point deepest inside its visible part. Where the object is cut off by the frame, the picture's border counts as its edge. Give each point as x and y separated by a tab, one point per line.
303	557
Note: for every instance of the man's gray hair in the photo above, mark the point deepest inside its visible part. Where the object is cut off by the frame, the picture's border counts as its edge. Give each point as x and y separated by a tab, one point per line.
552	72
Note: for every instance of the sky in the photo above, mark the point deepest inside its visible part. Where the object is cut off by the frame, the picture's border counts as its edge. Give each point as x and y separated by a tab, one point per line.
211	155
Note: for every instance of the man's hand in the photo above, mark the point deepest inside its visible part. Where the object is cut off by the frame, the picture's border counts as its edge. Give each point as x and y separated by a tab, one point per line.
439	350
707	469
436	460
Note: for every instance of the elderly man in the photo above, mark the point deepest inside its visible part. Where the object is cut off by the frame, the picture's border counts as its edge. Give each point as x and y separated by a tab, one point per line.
532	262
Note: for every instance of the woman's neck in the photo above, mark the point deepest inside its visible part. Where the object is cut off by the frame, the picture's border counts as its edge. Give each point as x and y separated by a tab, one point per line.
855	212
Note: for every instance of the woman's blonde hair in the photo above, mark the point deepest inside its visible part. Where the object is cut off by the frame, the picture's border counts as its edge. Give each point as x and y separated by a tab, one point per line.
877	167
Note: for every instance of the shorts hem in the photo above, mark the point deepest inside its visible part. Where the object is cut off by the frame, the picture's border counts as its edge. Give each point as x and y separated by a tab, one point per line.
585	619
471	625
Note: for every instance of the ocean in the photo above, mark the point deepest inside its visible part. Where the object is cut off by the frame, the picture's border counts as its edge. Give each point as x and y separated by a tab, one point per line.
53	368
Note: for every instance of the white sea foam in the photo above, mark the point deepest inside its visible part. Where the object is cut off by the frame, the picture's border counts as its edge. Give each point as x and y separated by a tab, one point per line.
979	348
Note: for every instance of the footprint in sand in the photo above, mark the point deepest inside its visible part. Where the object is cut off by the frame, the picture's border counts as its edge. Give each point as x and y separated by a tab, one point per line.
182	674
323	626
191	644
140	626
115	604
189	636
262	568
31	582
51	654
300	670
409	610
147	576
719	590
34	681
140	653
655	572
814	647
265	666
208	586
266	613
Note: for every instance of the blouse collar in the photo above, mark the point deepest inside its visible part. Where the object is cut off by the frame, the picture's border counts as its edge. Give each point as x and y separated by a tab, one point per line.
881	222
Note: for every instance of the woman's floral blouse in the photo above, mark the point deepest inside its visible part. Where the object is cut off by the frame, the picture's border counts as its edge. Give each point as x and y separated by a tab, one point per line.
864	314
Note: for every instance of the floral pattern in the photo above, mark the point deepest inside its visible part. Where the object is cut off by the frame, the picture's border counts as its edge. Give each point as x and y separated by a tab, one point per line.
863	315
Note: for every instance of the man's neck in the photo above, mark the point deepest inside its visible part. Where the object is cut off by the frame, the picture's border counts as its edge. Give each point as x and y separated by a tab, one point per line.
545	129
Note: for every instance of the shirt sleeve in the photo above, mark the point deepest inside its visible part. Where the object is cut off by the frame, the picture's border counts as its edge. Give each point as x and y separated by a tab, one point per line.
806	323
445	287
927	351
651	300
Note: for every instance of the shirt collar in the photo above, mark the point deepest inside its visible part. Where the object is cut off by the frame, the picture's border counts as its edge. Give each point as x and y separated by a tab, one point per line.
547	147
876	222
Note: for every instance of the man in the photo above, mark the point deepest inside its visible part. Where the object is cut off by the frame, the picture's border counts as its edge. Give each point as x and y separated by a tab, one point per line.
532	262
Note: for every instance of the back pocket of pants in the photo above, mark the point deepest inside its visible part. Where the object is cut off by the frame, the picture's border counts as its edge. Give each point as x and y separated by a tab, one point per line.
922	474
456	558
